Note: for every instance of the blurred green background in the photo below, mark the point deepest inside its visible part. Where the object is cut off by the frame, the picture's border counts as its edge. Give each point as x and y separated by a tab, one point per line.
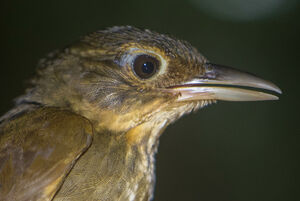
224	152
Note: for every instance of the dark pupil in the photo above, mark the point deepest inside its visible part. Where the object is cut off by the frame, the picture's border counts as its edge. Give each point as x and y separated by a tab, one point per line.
145	66
148	67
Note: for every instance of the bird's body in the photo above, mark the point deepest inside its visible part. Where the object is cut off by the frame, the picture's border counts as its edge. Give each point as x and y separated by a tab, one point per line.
88	129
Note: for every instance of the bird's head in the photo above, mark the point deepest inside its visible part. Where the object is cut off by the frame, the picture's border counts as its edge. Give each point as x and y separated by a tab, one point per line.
123	77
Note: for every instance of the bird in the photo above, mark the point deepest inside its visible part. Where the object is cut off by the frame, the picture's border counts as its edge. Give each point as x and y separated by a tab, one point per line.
88	126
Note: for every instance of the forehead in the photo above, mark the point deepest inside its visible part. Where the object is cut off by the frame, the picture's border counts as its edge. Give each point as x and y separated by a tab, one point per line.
126	37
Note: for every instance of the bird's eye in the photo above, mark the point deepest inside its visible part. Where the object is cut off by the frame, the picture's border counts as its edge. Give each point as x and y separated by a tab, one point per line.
145	66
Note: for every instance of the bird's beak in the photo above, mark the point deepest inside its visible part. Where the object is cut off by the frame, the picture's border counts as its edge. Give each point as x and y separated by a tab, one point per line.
225	83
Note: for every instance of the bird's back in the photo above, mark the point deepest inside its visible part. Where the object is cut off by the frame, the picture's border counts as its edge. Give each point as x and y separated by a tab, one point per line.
37	151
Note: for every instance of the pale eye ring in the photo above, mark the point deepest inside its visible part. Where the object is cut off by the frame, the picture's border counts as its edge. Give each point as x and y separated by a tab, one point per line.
145	66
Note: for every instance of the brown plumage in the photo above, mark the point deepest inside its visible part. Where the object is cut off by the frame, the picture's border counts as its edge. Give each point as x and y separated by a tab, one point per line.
88	127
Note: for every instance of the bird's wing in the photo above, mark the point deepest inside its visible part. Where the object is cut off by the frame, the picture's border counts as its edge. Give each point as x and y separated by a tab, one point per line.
38	150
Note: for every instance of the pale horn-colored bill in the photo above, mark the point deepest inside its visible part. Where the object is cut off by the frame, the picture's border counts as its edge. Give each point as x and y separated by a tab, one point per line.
221	93
221	83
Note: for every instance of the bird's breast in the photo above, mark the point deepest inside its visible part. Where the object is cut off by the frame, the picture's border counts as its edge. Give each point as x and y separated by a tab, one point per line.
115	167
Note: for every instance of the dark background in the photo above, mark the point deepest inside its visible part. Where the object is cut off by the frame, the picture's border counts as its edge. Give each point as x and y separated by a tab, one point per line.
225	152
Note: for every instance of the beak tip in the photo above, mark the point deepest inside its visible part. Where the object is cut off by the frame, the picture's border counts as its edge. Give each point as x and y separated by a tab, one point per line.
275	88
279	91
